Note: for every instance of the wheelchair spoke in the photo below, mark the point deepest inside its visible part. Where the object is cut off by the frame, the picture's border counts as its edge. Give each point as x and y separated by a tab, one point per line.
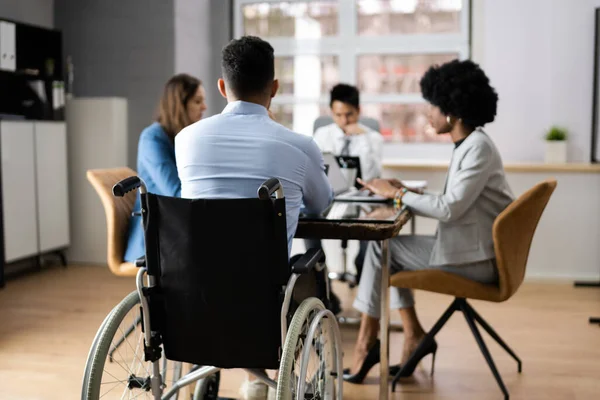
112	388
135	351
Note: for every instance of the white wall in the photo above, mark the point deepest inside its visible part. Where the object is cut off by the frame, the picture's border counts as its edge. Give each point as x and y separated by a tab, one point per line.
539	56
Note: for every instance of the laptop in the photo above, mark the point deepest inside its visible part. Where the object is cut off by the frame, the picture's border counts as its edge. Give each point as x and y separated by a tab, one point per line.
344	190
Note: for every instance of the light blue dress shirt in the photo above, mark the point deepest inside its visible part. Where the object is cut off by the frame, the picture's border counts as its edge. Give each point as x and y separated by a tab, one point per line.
230	154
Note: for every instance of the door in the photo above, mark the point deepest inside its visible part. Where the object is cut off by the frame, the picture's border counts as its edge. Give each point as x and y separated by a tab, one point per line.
18	189
52	185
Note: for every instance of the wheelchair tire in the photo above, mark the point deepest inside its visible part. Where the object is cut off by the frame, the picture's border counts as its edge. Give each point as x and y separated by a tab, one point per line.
97	357
88	365
95	366
208	388
287	379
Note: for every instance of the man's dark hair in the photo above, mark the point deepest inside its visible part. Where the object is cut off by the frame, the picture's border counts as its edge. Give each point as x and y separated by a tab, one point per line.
347	94
248	66
461	89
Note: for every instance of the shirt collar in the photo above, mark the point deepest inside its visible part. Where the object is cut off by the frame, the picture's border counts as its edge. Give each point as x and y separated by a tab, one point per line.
245	108
456	144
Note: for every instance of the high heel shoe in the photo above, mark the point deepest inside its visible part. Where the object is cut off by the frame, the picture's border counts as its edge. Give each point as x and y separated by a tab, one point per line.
407	369
370	361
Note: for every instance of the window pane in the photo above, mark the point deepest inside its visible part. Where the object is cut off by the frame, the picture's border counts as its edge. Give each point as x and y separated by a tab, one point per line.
403	122
379	73
306	76
301	20
298	117
402	17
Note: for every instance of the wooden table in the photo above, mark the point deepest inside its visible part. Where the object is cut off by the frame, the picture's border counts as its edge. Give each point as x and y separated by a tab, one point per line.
354	230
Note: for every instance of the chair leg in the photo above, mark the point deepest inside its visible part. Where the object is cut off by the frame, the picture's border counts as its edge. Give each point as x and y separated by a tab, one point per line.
484	350
495	336
455	306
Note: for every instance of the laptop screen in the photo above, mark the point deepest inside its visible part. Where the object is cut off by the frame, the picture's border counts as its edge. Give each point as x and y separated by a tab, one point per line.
336	177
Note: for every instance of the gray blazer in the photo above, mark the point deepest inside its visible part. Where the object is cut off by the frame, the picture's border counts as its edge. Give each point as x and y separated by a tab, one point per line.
476	191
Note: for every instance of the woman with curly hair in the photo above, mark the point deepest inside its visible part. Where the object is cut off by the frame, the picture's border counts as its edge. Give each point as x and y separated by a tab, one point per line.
461	103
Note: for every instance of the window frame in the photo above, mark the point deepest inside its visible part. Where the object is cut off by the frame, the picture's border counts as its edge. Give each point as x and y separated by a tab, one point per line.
348	45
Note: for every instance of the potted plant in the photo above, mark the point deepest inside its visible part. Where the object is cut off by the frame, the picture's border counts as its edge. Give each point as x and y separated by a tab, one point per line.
556	145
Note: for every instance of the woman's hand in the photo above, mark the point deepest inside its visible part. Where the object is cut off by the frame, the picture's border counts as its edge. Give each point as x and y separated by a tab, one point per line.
396	183
382	187
400	185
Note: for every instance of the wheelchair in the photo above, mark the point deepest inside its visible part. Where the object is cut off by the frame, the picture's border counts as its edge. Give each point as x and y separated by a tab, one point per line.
215	291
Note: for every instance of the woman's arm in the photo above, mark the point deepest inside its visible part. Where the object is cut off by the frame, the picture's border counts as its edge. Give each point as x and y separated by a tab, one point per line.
467	185
158	157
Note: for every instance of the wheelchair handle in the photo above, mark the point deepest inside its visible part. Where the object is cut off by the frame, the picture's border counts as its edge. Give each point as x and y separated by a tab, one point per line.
268	187
127	185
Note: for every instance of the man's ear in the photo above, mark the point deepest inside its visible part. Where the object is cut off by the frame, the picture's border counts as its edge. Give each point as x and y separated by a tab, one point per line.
221	87
274	88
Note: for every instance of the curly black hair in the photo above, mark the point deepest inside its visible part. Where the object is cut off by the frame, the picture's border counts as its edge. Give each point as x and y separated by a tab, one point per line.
461	89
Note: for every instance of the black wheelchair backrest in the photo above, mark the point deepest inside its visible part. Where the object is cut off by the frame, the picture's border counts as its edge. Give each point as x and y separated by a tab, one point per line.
220	266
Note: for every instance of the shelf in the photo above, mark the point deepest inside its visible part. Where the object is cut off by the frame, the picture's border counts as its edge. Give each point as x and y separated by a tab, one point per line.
435	165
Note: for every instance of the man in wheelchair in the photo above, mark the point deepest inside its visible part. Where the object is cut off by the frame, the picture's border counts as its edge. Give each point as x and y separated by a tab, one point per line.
230	154
220	291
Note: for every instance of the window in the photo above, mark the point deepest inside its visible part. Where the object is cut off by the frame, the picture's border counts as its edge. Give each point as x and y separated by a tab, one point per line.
402	17
292	19
381	46
306	76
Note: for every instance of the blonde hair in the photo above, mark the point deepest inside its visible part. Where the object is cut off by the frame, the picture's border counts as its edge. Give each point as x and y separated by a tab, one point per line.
172	113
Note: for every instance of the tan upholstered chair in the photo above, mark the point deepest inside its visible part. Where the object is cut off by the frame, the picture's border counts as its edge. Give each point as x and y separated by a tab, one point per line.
118	212
513	232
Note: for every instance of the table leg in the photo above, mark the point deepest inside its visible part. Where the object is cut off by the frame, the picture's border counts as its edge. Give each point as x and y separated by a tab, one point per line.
384	321
413	225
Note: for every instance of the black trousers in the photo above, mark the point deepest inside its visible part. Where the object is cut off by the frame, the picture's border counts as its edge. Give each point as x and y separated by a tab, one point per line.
358	261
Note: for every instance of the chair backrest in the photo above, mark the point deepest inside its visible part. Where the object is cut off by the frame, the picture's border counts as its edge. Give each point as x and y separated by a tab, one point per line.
220	266
366	121
513	232
118	212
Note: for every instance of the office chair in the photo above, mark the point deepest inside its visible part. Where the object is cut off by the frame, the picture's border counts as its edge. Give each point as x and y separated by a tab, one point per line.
118	212
325	120
513	232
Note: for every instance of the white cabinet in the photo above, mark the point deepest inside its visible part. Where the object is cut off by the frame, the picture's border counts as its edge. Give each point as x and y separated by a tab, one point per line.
18	190
51	182
8	46
35	199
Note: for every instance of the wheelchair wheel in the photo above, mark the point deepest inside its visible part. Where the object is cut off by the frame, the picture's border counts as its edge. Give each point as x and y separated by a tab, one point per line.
321	369
208	388
115	367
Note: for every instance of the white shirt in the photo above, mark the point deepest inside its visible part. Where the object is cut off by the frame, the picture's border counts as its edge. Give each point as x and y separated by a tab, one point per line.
368	147
230	154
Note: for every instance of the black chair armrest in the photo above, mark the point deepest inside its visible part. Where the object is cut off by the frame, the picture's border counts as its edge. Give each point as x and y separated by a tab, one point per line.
308	261
140	262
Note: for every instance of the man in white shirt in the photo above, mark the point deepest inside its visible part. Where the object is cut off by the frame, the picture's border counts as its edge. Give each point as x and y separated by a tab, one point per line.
345	136
230	154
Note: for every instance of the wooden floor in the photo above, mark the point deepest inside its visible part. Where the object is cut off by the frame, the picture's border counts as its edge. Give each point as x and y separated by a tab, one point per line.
48	320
